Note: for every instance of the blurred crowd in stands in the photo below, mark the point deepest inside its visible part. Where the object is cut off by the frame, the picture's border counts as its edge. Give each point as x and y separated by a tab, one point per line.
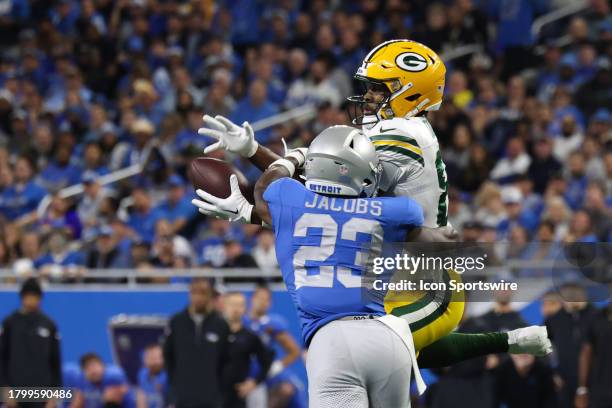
93	86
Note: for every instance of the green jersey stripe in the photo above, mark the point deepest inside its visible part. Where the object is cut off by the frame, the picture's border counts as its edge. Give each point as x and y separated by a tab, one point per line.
398	138
438	311
413	307
403	151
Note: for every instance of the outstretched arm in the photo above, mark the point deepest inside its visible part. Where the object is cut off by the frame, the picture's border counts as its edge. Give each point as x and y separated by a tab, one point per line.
263	158
279	169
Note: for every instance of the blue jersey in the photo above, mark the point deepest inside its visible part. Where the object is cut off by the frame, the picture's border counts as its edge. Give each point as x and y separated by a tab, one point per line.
93	394
153	386
16	201
267	328
319	247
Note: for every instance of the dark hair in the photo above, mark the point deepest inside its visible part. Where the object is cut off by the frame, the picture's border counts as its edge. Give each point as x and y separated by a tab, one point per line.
151	346
548	224
31	287
87	358
262	286
202	279
30	160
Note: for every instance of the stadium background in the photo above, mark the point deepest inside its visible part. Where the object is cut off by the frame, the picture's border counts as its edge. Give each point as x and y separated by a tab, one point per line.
89	89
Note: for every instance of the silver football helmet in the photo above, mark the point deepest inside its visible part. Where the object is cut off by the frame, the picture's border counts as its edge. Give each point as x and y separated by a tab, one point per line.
341	160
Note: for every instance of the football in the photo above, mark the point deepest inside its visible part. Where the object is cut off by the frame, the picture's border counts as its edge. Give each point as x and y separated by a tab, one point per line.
212	175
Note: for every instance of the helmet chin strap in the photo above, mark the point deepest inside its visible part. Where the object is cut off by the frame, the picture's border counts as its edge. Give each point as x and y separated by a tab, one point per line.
418	108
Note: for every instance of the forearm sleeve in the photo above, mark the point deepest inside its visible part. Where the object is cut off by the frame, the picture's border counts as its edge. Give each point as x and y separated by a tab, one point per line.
457	347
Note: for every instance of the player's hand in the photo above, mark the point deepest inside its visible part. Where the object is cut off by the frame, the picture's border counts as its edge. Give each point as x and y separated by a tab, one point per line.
529	340
246	387
229	136
235	208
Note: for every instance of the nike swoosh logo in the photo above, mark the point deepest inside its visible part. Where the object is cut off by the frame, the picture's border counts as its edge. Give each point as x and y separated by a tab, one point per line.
385	130
233	212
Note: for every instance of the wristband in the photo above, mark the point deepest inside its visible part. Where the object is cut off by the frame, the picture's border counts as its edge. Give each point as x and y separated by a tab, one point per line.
298	155
288	164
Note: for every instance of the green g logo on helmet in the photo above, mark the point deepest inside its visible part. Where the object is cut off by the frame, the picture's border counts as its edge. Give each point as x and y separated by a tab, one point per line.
411	61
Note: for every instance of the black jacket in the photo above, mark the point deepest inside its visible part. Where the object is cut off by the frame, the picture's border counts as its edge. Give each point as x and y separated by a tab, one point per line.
243	345
29	351
194	360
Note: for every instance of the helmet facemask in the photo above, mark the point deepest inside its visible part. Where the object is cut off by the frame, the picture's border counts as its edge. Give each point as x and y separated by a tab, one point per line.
370	187
372	105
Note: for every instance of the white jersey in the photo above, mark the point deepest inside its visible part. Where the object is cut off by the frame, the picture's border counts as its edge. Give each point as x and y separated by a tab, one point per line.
410	154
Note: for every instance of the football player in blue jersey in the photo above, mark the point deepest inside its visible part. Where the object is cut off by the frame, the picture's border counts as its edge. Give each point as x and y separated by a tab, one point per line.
320	237
284	388
321	228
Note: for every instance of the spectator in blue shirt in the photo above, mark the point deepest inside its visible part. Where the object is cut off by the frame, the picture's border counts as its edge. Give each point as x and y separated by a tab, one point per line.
71	378
147	104
60	214
141	131
264	70
256	107
60	262
24	195
152	378
513	201
177	208
577	181
60	173
581	228
65	15
92	160
210	250
142	217
100	385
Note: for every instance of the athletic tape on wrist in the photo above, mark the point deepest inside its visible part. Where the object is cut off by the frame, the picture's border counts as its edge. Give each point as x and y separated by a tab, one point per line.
298	156
288	164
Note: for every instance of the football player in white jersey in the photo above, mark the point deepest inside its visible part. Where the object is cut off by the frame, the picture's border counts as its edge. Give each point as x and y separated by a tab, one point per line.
403	80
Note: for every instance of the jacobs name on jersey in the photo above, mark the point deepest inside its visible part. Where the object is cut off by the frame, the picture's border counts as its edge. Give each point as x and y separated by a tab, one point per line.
356	206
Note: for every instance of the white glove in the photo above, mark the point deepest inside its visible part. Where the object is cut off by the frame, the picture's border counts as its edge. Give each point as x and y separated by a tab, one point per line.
235	208
229	136
529	340
275	368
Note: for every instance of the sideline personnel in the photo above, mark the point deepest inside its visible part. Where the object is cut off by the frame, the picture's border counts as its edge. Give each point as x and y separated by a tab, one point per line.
195	350
29	344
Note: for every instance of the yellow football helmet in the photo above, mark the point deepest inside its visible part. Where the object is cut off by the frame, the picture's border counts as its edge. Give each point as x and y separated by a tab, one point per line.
411	74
